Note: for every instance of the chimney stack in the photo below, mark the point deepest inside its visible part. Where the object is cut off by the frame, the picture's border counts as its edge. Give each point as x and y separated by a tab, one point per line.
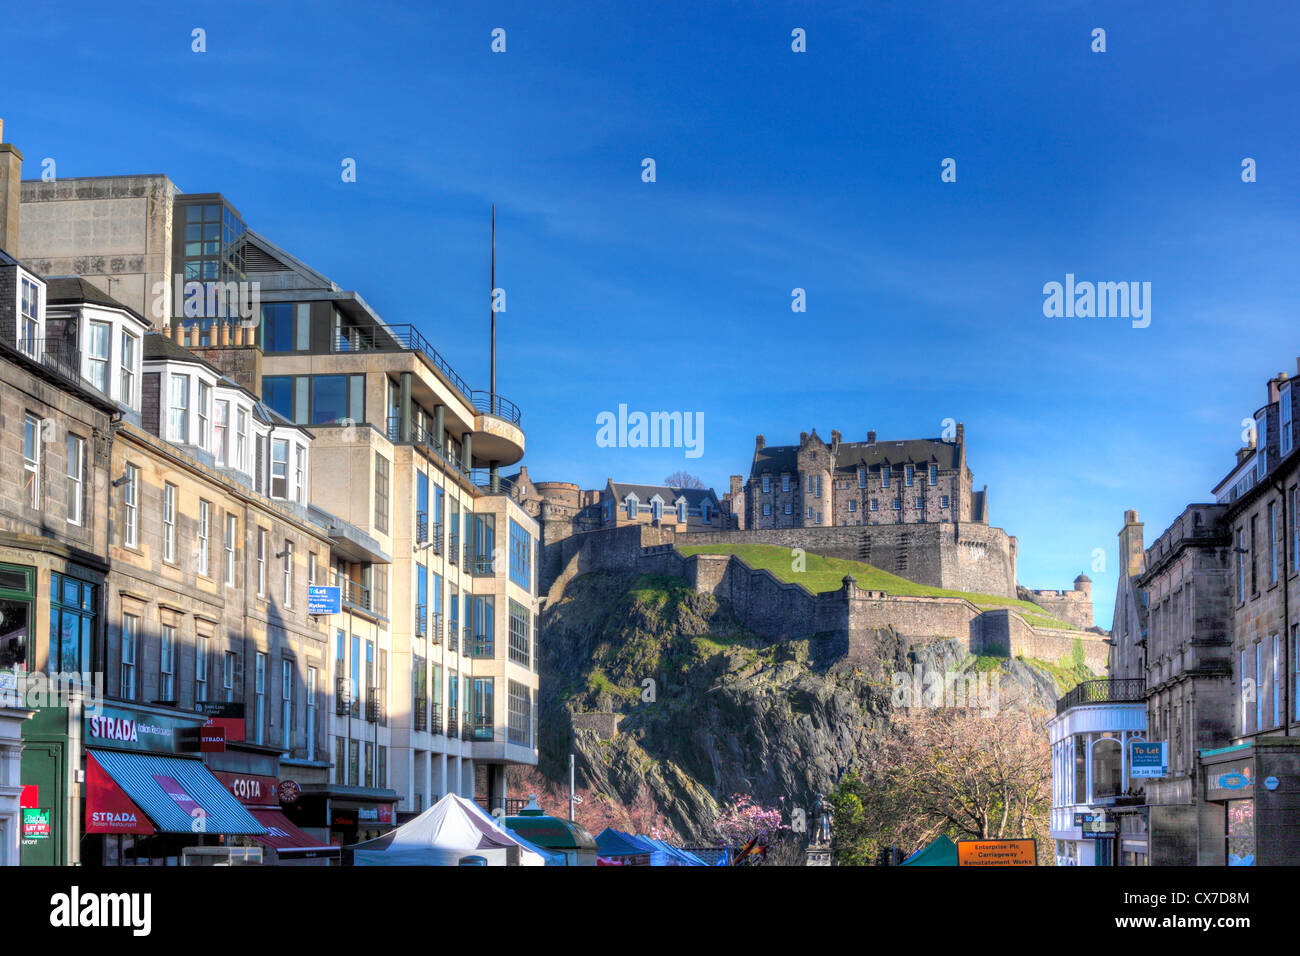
871	437
11	177
759	443
961	434
1130	544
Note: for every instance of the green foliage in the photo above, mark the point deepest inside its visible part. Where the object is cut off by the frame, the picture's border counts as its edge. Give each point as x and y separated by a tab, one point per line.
854	841
1078	656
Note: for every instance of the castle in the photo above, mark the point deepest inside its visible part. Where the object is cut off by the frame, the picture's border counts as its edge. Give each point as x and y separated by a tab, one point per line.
907	507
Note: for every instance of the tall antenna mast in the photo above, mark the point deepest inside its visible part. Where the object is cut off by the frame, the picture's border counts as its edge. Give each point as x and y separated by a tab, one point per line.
492	306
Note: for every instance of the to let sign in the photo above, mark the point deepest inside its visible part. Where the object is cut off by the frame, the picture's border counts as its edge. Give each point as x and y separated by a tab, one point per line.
1148	758
324	599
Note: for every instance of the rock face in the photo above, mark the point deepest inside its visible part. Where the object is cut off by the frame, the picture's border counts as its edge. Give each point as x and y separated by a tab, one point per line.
656	687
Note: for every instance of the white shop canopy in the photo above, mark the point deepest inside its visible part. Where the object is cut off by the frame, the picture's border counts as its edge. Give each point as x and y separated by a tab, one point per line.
451	829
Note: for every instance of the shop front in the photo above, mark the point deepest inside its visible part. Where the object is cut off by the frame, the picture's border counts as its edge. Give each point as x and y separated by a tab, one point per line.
1252	798
349	814
283	843
149	800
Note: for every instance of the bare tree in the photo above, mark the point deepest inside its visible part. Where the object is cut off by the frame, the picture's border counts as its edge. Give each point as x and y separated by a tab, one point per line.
683	479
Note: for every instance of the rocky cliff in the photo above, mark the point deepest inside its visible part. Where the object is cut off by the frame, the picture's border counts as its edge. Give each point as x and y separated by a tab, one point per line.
663	696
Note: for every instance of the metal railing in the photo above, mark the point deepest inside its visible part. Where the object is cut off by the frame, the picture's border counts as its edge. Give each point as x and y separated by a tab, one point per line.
60	356
482	478
453	548
477	727
374	710
490	404
420	714
421	616
397	338
342	696
453	630
452	726
435	719
1125	690
435	631
354	594
483	646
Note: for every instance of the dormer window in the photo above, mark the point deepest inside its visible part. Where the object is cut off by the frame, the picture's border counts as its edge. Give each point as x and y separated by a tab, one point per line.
862	477
681	510
1285	438
128	356
97	349
934	474
631	507
656	509
705	512
910	474
1261	453
884	476
29	316
279	468
178	408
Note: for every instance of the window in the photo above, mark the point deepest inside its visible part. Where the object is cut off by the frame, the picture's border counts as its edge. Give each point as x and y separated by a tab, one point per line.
767	484
29	318
131	495
875	504
519	633
1277	684
920	504
1254	554
126	374
767	510
631	507
521	713
311	713
1274	543
241	440
278	327
220	423
311	567
785	482
1242	697
910	474
1295	670
32	461
1284	420
934	474
681	511
73	607
1261	456
167	663
231	531
656	509
898	504
884	476
1295	529
1259	685
789	508
76	467
1241	565
228	676
300	474
943	501
201	645
178	402
381	768
520	556
706	512
288	573
286	705
381	493
259	692
810	513
483	707
130	637
279	468
169	522
205	532
97	355
261	562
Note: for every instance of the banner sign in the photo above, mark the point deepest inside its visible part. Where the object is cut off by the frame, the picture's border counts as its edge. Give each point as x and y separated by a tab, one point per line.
997	853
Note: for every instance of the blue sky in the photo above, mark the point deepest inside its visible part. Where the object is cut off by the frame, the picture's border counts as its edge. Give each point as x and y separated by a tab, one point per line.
775	170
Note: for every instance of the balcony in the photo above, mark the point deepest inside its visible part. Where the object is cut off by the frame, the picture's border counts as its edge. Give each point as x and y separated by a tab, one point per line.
453	628
1129	690
420	713
60	356
424	437
482	478
421	619
397	338
374	708
452	726
435	719
453	548
481	567
354	594
342	696
481	647
435	630
490	404
477	727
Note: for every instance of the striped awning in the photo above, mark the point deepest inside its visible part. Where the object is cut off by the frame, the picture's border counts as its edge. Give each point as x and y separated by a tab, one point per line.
180	795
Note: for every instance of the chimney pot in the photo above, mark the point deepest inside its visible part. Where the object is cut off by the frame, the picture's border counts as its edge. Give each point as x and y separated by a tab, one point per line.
871	437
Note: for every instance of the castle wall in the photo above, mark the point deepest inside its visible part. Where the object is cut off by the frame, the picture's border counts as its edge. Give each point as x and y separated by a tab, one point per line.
1074	607
963	557
780	609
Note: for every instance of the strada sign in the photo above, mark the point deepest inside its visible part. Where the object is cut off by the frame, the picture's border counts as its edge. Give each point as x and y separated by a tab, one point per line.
121	729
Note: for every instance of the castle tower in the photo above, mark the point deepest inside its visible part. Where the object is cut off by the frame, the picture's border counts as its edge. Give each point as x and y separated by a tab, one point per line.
1083	583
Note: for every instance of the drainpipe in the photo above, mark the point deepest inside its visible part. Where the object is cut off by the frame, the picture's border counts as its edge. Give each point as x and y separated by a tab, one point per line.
1280	486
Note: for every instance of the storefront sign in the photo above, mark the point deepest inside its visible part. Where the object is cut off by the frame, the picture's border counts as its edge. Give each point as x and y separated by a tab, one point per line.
290	792
123	729
252	789
179	795
229	716
1148	758
324	599
1234	781
997	853
108	808
36	824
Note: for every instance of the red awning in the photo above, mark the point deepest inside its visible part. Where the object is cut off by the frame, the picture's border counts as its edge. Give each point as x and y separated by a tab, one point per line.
283	836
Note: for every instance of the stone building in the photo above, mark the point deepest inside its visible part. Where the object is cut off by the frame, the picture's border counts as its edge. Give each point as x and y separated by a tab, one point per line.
1074	607
815	484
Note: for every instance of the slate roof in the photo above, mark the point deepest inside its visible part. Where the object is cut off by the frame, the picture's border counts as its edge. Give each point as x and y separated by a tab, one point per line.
775	459
68	289
694	496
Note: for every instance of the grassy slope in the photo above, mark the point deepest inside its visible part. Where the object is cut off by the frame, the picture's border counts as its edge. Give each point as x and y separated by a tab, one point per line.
826	574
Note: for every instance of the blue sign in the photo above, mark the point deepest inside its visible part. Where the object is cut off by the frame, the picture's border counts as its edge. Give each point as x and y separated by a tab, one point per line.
324	599
1148	758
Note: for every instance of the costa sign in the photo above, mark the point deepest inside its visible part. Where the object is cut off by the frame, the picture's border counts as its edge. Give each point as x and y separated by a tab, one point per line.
249	788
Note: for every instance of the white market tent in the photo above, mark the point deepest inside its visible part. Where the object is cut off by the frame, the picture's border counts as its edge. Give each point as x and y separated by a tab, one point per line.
442	835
